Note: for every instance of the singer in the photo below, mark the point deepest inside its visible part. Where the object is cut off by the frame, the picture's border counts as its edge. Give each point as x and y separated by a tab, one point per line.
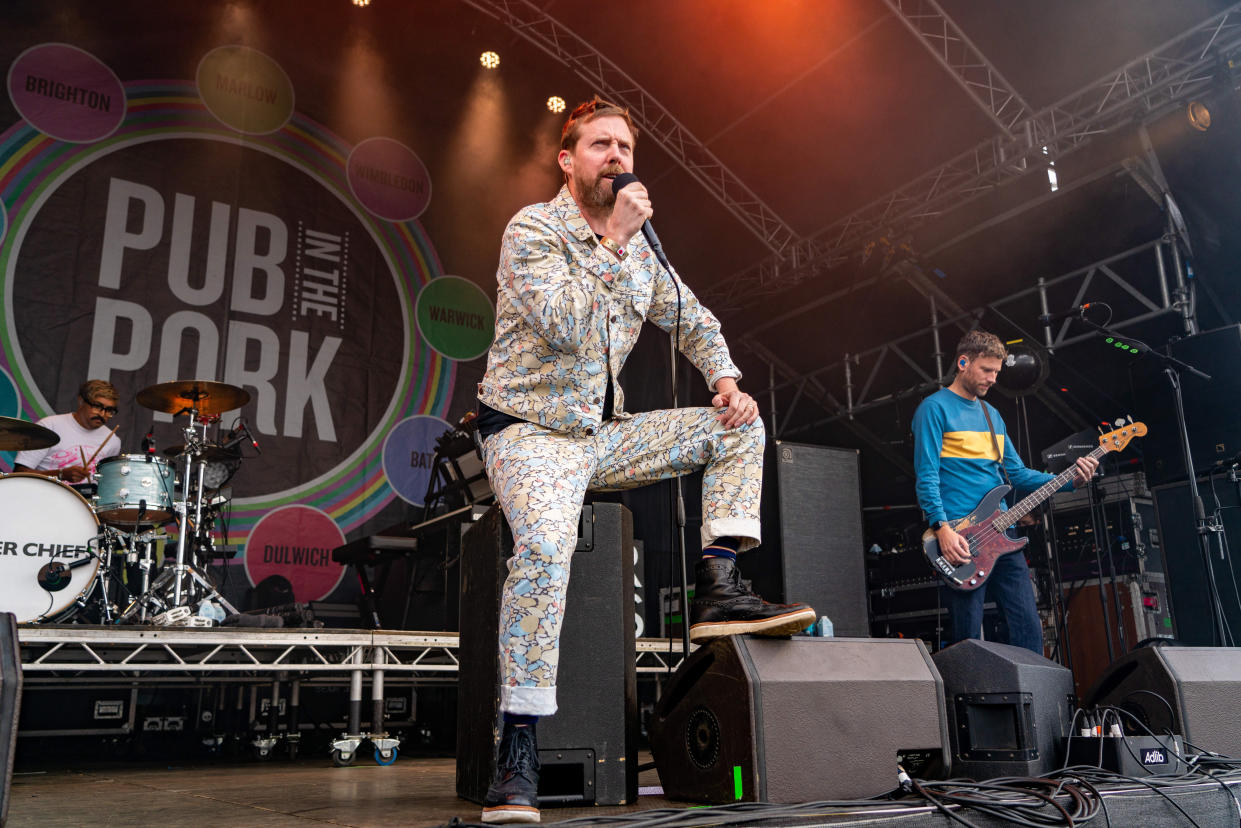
576	281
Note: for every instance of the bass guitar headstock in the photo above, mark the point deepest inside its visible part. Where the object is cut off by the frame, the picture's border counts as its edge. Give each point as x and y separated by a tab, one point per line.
1118	439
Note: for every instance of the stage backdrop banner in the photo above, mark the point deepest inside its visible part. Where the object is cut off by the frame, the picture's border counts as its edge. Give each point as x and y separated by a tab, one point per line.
161	230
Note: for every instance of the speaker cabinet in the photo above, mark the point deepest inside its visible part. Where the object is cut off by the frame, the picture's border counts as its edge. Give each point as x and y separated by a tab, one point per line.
588	749
798	719
1214	428
1145	613
1187	571
1008	709
812	547
1192	691
10	703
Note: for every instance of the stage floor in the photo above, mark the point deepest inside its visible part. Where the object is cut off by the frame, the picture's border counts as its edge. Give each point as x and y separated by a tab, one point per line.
412	793
419	791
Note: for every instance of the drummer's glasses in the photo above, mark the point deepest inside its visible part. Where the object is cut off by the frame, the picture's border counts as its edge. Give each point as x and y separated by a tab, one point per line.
101	408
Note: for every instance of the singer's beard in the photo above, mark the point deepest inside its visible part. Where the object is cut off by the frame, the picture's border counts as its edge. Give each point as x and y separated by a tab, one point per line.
597	193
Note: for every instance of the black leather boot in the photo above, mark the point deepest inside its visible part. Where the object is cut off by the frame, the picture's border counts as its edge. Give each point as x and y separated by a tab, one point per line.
724	604
514	793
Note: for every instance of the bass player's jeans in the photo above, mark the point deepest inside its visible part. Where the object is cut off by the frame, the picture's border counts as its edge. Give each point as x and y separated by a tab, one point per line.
1010	588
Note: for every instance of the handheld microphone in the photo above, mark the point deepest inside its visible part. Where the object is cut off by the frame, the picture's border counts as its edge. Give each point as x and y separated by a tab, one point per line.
621	182
1047	318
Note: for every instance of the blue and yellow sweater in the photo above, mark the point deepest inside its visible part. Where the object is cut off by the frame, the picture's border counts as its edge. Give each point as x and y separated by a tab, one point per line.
955	460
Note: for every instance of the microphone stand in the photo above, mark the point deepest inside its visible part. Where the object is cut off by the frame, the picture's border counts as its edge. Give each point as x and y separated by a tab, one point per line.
678	489
1064	643
1172	368
1094	505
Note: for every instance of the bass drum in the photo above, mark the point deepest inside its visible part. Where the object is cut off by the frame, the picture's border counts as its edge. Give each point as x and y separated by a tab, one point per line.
41	522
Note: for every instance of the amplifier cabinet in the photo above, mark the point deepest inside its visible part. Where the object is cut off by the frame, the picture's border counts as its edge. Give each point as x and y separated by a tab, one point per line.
1145	614
1131	546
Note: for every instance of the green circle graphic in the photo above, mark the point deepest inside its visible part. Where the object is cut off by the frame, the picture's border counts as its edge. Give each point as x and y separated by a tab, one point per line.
10	401
456	318
10	406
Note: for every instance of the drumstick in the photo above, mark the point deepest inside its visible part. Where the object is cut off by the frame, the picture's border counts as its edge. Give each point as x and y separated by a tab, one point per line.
82	454
101	445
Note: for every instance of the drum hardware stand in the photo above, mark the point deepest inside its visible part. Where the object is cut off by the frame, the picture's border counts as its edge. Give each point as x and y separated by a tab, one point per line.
55	576
204	401
194	448
195	462
114	539
176	574
141	553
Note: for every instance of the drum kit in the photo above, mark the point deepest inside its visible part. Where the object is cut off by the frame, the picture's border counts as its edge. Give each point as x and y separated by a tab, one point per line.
64	558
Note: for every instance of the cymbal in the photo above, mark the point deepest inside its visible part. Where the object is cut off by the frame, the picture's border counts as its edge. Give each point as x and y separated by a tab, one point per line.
204	396
23	435
212	454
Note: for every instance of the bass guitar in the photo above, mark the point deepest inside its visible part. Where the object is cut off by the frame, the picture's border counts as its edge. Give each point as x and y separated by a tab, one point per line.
985	528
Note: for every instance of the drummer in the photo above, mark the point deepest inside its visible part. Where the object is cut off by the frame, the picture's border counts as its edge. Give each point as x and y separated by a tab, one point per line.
84	436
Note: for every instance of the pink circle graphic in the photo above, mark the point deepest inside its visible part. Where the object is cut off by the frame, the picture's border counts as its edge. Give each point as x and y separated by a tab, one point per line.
388	179
66	93
296	543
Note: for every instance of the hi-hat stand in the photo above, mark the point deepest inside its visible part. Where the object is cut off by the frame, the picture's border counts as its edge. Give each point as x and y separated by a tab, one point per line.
183	582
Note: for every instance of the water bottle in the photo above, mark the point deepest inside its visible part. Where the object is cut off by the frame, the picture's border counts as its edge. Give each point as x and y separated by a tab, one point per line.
211	610
824	628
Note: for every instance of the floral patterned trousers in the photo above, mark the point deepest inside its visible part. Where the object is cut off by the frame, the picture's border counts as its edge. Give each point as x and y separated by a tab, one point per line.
540	477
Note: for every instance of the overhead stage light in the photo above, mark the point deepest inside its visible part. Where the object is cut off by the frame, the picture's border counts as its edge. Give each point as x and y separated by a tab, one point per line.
556	104
489	60
361	2
1199	116
1053	180
1025	369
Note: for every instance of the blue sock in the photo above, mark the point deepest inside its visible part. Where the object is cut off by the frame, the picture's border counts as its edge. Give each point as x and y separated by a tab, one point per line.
725	547
517	719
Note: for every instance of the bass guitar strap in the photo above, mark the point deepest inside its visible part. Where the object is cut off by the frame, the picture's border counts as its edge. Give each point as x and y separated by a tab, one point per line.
995	444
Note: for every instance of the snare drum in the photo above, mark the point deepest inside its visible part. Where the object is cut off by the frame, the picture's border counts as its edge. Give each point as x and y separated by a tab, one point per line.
134	488
42	522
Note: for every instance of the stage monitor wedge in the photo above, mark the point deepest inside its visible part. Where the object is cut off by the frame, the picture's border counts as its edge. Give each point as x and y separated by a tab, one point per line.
1191	691
1008	709
798	719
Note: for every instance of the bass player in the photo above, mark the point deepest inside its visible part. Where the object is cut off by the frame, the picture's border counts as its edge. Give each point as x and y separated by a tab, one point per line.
961	452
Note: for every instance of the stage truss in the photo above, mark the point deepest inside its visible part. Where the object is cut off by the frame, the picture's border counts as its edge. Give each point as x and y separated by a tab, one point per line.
1143	283
80	653
1165	77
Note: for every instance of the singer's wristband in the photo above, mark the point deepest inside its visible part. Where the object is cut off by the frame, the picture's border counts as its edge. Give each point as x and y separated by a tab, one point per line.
616	250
